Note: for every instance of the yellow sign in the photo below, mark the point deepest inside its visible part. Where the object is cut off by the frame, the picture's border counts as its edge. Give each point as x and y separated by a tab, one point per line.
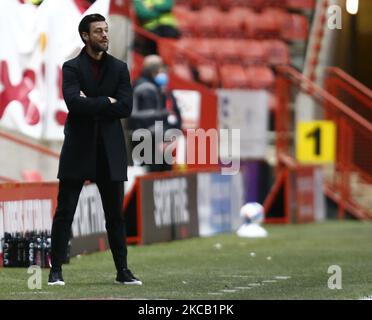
316	142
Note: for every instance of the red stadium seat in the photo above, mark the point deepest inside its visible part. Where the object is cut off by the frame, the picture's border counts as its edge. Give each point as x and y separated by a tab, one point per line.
207	22
268	23
233	22
204	47
233	76
208	74
195	4
226	4
295	28
214	3
185	22
277	52
183	71
274	3
255	4
252	52
227	52
259	77
181	11
231	27
32	176
300	4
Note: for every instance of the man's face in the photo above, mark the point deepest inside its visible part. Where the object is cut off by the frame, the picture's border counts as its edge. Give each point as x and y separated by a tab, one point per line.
97	38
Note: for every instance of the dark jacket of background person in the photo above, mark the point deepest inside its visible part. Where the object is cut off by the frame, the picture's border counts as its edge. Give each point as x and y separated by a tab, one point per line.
94	117
151	104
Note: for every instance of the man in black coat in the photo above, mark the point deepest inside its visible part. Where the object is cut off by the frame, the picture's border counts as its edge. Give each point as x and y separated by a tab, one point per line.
98	93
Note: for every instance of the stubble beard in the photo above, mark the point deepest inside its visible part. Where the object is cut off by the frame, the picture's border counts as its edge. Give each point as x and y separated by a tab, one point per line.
97	47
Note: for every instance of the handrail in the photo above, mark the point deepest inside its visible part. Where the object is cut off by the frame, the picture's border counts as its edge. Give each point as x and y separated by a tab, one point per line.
350	80
307	84
34	146
352	129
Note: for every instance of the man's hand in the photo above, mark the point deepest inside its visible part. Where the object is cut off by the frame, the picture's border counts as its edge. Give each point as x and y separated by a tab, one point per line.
112	100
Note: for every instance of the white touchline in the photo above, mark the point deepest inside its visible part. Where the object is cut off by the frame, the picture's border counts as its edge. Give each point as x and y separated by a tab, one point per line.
282	277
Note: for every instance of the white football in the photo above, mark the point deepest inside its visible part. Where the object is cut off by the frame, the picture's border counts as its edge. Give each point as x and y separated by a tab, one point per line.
252	212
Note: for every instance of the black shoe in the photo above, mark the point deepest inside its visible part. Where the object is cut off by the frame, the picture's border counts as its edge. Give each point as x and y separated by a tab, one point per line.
55	278
126	277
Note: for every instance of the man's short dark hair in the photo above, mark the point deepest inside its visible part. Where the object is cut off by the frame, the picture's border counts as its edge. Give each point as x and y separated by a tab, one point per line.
84	24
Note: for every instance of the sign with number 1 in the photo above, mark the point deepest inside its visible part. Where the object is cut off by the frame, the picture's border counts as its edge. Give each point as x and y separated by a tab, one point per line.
315	142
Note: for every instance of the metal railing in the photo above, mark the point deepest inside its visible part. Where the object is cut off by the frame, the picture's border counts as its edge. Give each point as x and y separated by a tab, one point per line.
353	137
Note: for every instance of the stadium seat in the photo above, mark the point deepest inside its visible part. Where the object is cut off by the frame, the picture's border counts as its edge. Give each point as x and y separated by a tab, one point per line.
233	22
254	4
203	47
181	12
252	52
268	24
195	4
185	22
274	3
207	22
213	3
227	52
208	74
225	4
300	4
277	52
295	28
32	176
233	76
183	71
259	77
231	27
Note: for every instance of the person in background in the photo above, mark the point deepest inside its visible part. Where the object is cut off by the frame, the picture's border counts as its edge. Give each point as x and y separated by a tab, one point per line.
156	16
34	2
153	101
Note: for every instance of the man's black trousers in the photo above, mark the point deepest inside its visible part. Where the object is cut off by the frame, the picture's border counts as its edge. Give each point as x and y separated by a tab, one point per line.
112	193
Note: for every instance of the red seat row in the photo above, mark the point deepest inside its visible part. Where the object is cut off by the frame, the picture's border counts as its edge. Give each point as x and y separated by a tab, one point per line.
241	22
228	75
256	4
245	52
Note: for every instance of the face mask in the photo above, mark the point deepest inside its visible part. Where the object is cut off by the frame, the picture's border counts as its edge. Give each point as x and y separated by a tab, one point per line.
161	79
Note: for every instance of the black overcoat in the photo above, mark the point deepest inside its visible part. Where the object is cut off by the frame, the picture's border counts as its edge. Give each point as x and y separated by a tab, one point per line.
93	113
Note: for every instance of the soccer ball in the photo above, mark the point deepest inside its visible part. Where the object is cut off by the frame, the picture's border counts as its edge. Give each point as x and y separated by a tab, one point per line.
252	212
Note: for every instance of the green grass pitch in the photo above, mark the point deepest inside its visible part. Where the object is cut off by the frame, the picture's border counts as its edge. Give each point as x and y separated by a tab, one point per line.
292	263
